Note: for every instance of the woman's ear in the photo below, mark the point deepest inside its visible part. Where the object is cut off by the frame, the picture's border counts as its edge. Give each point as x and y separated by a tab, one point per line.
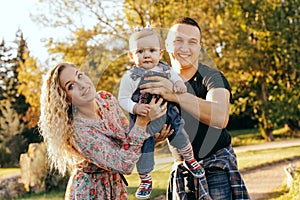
68	101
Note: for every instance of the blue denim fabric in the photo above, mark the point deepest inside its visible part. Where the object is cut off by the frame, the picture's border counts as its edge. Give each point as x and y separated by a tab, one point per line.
145	163
218	183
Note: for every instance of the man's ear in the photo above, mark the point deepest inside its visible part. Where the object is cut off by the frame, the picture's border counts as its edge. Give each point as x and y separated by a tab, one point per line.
161	53
130	55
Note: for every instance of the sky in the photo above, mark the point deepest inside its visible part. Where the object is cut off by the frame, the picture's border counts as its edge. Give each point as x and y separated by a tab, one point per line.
14	14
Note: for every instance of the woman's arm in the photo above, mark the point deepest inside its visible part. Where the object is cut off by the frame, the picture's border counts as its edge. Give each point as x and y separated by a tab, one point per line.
107	153
121	155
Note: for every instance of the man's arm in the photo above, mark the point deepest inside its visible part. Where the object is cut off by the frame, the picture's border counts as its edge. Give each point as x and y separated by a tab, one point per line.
213	111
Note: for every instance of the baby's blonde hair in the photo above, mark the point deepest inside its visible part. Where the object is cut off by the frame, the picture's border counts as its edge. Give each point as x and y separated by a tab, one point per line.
141	34
56	122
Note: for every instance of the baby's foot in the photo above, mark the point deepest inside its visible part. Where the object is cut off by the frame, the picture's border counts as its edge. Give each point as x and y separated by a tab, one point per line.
144	190
195	168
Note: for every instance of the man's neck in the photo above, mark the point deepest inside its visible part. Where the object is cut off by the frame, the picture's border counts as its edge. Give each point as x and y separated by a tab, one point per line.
186	73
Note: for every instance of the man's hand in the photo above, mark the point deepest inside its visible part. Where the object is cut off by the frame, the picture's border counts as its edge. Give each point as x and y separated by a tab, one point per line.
160	86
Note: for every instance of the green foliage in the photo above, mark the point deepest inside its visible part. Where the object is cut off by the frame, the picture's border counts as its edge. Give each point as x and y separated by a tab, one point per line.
293	192
106	63
19	98
11	142
264	75
29	82
9	81
54	181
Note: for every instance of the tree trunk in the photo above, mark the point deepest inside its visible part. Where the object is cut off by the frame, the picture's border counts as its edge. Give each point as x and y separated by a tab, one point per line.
267	134
266	127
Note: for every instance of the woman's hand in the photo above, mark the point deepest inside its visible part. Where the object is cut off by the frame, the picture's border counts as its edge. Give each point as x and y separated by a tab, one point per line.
161	86
165	132
158	108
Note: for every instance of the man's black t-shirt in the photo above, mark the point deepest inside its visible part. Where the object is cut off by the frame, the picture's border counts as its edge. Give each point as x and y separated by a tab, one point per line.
205	140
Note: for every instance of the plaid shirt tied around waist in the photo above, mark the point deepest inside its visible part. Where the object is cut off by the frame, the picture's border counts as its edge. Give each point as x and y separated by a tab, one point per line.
183	186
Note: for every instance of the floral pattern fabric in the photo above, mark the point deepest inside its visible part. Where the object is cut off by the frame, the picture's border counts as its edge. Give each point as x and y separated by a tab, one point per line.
109	151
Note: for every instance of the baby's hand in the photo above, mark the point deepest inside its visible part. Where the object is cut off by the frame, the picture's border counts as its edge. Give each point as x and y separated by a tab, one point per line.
141	109
179	87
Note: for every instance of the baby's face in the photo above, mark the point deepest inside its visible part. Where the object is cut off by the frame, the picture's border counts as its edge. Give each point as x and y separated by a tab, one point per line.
147	52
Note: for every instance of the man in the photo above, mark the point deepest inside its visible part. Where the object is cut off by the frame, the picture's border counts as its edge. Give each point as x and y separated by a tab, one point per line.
205	109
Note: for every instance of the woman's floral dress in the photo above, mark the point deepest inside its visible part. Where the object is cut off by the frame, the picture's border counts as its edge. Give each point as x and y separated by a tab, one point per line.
109	151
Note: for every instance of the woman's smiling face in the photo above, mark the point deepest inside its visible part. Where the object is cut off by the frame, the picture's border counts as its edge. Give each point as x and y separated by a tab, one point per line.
78	87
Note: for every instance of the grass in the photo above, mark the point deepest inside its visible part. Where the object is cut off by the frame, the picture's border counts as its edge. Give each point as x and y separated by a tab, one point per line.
161	173
160	177
264	157
53	195
8	171
253	136
162	170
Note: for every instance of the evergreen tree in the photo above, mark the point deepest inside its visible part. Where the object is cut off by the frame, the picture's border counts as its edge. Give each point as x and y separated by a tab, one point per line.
29	81
19	103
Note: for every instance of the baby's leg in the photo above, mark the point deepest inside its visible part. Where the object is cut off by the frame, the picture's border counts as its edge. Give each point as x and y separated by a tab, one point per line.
185	149
144	167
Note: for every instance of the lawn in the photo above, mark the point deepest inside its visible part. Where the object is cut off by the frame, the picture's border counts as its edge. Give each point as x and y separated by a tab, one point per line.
250	159
8	171
253	136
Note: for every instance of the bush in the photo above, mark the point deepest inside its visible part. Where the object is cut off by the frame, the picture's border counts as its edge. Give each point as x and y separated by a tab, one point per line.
54	181
293	192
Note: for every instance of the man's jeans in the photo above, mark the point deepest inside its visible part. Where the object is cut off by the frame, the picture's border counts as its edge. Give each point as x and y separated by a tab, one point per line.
218	184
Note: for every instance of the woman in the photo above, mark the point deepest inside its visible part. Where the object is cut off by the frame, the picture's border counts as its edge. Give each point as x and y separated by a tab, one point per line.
87	133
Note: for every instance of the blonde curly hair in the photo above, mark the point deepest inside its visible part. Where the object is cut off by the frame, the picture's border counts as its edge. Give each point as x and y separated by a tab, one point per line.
56	122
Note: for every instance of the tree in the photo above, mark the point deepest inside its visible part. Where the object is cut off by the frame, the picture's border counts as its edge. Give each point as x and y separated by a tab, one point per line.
250	42
95	46
29	81
266	55
11	139
19	107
